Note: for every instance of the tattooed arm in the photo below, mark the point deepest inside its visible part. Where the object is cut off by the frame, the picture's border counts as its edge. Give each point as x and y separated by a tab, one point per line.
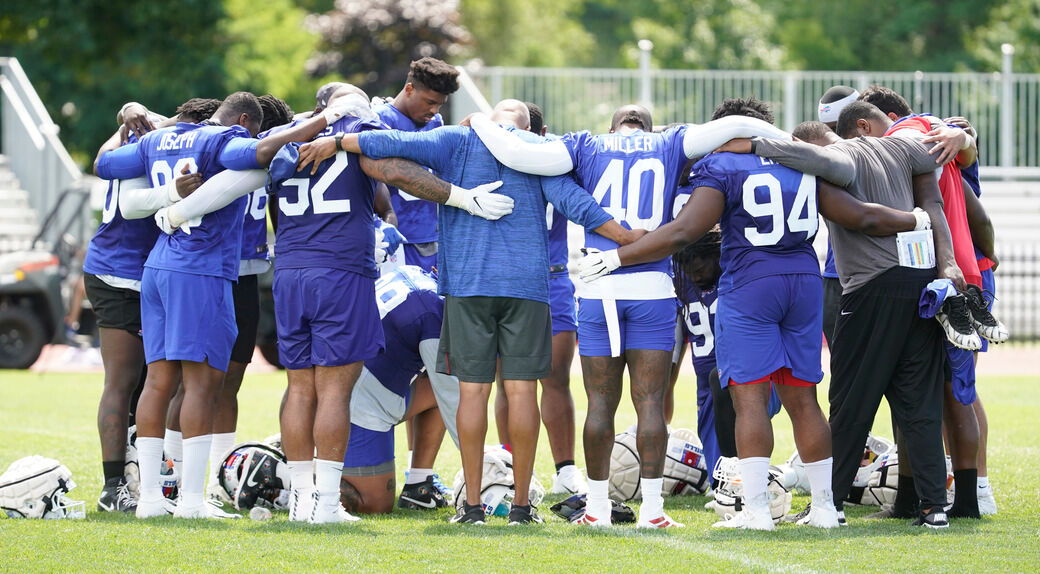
407	175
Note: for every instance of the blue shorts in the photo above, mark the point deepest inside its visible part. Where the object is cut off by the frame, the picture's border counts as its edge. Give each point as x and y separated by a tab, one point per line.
770	323
187	317
412	256
648	325
989	286
325	317
561	303
367	448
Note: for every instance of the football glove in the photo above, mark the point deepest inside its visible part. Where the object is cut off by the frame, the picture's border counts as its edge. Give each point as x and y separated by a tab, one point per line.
391	234
169	223
481	202
381	247
924	221
597	263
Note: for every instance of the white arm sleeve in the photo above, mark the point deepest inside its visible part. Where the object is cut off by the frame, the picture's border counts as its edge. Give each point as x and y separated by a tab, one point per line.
700	140
216	193
138	199
548	158
445	387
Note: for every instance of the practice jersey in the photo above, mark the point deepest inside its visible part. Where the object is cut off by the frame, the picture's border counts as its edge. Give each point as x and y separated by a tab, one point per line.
558	250
769	221
633	178
120	246
699	324
416	218
214	244
411	312
326	219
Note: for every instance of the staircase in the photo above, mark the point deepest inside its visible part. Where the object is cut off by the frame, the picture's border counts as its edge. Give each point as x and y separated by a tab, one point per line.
19	223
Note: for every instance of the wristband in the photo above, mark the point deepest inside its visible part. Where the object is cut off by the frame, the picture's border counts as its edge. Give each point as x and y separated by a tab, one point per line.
339	141
967	141
754	144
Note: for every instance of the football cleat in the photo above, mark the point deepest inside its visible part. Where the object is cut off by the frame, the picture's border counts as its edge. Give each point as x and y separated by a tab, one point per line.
584	519
755	515
987	503
523	515
797	517
204	510
468	514
422	496
569	481
444	489
936	520
329	510
956	320
825	516
988	326
151	508
660	521
116	497
301	504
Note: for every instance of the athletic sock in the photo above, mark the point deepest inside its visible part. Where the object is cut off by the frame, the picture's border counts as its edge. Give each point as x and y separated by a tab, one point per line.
417	475
754	474
173	446
222	442
193	481
563	464
820	481
327	476
965	498
113	469
653	503
149	459
597	503
906	498
301	474
983	482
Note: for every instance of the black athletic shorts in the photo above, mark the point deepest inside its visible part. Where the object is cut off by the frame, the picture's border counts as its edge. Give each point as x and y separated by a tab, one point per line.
476	330
246	294
114	307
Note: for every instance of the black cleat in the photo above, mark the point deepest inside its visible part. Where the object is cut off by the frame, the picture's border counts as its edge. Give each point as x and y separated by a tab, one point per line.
116	497
955	319
422	496
469	514
796	517
936	520
523	515
988	326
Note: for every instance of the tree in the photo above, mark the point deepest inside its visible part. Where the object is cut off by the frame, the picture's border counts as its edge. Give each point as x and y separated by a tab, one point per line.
527	32
1016	22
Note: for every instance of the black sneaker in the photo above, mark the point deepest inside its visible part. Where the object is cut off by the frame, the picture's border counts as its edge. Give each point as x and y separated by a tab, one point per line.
116	497
422	496
988	326
936	520
796	517
468	514
523	515
955	319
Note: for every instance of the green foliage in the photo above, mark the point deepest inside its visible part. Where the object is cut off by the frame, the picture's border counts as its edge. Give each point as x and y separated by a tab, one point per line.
1016	22
527	32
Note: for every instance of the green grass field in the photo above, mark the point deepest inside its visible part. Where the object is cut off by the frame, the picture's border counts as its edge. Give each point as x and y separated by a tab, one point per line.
54	415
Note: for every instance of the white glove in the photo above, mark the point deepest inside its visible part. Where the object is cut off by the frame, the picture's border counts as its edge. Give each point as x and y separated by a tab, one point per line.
349	105
172	196
480	201
597	263
169	223
924	221
380	254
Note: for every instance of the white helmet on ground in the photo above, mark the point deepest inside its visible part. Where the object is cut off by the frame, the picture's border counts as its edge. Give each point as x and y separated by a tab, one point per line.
883	485
35	487
624	468
878	452
254	474
793	474
730	490
131	468
497	487
685	471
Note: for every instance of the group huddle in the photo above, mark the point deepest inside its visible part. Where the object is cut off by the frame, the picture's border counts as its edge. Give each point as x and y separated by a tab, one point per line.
393	309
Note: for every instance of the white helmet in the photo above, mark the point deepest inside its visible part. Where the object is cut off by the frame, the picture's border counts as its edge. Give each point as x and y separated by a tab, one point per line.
685	471
730	490
497	487
131	468
624	468
253	474
793	475
875	453
878	453
35	487
883	485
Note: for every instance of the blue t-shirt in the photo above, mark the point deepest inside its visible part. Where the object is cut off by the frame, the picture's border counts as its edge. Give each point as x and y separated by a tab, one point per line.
770	217
829	270
120	246
326	219
214	244
416	218
633	177
504	258
411	313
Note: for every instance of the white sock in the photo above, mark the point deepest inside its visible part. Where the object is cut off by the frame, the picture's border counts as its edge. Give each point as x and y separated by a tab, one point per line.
193	481
149	459
173	446
417	475
820	481
597	503
222	442
653	503
754	474
983	482
327	475
301	474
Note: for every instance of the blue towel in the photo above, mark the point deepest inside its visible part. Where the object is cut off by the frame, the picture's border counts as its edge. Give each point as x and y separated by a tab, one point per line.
962	365
932	297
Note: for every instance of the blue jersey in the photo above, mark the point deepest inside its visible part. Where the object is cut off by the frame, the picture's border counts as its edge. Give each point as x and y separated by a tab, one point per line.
633	177
416	218
411	312
559	253
254	226
214	244
699	324
326	219
120	246
770	217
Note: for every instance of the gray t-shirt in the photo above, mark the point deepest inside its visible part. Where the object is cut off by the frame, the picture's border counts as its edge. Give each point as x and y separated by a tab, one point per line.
873	170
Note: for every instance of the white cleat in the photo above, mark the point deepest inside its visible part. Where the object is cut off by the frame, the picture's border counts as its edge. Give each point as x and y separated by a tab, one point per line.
151	508
987	503
569	481
328	510
660	521
754	516
301	505
205	510
821	516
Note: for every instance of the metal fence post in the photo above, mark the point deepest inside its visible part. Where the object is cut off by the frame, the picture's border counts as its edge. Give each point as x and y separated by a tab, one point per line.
1007	112
646	88
791	96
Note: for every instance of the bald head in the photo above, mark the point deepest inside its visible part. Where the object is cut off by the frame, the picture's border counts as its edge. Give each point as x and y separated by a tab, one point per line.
513	113
346	90
634	116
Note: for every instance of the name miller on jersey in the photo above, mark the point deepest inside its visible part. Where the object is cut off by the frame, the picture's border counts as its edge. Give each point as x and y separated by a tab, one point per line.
626	144
172	141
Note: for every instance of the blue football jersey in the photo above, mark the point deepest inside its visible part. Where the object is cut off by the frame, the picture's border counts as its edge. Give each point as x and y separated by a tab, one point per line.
411	312
416	218
557	224
326	219
770	217
699	323
633	178
254	226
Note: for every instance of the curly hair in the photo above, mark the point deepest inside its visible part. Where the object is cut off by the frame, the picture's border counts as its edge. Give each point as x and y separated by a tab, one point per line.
276	112
887	100
434	74
708	247
537	118
197	110
750	107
